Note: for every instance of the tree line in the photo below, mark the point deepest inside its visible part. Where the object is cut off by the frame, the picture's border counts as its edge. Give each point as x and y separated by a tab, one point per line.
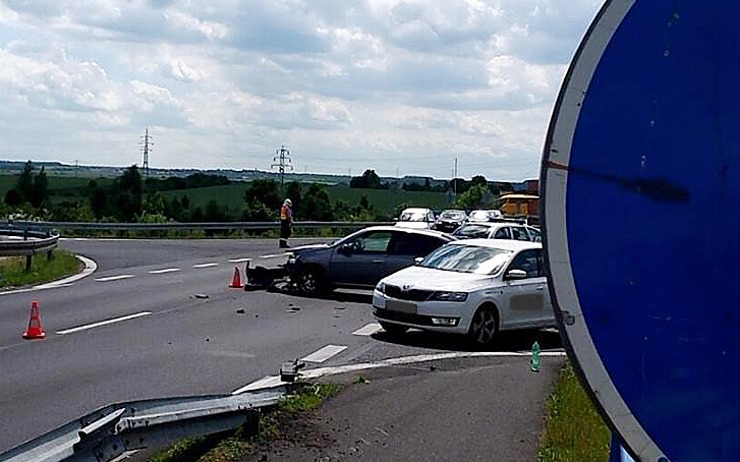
131	198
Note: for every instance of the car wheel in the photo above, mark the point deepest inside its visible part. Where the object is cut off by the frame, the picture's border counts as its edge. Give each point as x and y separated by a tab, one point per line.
484	326
310	281
393	329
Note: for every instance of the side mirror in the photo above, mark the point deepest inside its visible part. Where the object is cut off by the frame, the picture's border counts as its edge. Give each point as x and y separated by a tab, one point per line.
418	260
345	249
515	274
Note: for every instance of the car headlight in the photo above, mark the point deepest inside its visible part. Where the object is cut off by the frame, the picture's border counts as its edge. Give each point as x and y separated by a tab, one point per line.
380	287
450	296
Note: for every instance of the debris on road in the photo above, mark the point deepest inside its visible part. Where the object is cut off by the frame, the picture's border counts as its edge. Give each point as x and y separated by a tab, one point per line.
240	311
200	296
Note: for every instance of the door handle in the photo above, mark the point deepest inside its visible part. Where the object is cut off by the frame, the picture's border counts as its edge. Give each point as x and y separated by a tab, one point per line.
540	287
377	262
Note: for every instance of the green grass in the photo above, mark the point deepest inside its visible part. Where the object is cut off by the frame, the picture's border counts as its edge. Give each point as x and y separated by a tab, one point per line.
574	431
13	269
243	442
385	201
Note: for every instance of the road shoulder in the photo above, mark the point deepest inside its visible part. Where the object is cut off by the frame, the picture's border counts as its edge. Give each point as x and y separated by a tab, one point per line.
472	409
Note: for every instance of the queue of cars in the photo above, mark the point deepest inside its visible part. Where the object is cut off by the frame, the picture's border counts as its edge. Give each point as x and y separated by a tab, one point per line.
479	279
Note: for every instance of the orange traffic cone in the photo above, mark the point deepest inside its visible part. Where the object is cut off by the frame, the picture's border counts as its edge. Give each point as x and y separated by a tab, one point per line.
34	330
236	283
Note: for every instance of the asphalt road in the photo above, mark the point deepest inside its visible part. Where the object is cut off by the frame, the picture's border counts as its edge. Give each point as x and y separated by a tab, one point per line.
165	339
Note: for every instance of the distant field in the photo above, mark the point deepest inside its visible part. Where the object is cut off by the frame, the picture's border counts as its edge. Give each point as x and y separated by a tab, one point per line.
385	201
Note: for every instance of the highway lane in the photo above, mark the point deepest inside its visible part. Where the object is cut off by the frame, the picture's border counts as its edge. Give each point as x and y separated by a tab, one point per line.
183	344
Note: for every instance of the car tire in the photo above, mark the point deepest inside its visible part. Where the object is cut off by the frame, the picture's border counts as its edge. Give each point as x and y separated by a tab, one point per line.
393	329
484	326
310	281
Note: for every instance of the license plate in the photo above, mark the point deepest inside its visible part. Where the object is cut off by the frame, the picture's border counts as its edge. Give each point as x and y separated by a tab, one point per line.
403	307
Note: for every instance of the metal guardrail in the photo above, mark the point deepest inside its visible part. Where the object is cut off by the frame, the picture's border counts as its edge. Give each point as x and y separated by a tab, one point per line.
173	226
123	428
27	241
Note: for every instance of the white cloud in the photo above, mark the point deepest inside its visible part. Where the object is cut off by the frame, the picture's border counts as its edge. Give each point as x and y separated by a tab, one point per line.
342	84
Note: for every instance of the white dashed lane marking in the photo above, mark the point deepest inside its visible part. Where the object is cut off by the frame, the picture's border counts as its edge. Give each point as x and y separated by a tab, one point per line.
239	260
205	265
321	355
368	330
103	323
115	278
165	271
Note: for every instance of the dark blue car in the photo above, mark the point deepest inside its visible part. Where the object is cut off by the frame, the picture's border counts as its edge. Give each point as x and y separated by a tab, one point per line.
362	258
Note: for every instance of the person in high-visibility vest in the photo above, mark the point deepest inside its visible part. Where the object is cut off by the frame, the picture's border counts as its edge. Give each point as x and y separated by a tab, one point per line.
286	222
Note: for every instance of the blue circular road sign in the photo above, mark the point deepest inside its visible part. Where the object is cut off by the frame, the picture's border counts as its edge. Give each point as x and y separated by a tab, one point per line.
641	215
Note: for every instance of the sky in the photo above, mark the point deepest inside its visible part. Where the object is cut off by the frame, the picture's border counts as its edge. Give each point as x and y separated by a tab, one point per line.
401	87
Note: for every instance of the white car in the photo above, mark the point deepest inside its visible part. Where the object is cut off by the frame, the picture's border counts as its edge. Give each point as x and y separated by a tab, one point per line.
476	287
498	230
416	217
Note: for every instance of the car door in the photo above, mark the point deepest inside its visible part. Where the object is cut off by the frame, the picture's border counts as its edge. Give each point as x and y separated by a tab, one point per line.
360	260
406	247
525	299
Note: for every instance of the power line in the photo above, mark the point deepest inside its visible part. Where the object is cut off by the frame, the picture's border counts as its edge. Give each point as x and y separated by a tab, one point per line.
283	162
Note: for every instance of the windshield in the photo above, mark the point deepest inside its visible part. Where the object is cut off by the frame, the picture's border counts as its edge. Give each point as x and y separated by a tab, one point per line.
467	259
453	215
413	216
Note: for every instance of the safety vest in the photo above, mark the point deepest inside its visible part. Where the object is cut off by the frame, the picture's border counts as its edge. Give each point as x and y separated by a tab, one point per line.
285	213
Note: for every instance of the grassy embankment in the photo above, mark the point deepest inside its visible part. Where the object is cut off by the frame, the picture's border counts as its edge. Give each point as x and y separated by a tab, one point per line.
575	432
13	269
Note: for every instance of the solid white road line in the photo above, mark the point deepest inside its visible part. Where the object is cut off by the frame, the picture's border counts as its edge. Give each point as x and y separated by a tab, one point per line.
268	381
273	255
321	355
272	381
239	260
368	330
205	265
165	271
103	323
115	278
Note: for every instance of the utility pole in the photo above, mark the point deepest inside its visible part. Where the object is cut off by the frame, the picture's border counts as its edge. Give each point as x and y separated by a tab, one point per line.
454	182
146	147
283	162
77	166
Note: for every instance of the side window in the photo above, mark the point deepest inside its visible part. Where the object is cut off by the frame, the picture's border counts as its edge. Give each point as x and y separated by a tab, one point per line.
430	217
528	261
502	233
414	245
536	236
541	263
373	242
520	234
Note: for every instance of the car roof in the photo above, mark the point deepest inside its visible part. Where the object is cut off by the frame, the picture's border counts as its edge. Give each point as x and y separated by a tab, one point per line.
507	244
416	209
426	232
493	224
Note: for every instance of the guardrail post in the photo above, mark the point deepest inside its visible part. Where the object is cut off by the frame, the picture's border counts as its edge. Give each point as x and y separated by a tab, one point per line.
49	255
29	261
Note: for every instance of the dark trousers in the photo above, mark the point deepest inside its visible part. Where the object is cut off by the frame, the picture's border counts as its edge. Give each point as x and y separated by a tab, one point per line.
285	232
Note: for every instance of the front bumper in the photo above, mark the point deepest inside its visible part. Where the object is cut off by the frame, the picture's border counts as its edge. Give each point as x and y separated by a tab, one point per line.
434	316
